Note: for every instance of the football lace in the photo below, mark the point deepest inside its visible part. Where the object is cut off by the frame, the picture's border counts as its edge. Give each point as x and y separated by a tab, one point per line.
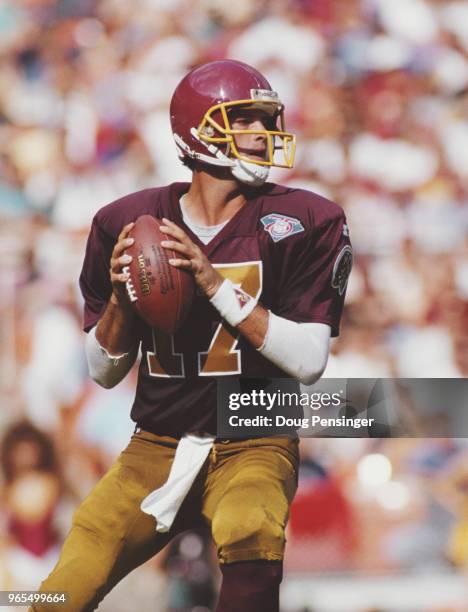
129	285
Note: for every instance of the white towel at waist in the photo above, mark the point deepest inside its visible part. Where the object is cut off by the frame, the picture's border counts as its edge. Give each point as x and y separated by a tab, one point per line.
164	503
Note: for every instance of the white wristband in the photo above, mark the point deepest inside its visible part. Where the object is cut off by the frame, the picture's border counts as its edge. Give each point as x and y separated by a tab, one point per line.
233	304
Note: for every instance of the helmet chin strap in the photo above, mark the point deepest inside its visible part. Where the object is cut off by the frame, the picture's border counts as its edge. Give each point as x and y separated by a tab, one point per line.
248	173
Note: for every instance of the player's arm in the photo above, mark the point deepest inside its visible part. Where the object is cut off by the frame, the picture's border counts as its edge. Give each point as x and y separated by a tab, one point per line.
301	350
111	348
116	329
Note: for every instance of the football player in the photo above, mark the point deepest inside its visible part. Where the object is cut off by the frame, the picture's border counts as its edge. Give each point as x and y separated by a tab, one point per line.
271	265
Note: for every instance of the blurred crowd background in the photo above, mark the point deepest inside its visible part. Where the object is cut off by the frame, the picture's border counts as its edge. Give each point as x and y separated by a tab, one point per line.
377	92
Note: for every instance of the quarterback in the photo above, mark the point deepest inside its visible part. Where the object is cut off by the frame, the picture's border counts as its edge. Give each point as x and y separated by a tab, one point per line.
270	265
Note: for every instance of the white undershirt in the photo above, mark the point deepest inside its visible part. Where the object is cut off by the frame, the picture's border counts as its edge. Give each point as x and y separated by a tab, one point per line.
204	232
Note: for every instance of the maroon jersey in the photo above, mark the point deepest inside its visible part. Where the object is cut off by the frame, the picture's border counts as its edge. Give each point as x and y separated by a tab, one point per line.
287	247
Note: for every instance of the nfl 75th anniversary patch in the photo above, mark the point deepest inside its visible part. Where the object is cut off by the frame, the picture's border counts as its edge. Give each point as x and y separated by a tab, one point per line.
281	226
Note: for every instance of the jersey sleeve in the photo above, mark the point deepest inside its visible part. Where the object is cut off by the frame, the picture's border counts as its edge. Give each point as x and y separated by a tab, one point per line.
95	284
316	274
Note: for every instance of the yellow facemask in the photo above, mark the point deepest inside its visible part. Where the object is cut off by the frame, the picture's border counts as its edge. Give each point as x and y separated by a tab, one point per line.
274	108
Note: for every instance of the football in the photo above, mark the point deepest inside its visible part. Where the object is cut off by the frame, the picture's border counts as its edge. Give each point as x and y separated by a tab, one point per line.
159	293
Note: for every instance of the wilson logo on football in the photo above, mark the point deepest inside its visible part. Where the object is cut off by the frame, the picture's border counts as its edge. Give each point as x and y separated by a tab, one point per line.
281	226
143	276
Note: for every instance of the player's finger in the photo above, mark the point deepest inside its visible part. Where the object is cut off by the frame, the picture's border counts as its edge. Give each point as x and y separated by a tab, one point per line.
121	245
170	223
117	263
181	263
125	230
175	231
176	246
123	260
122	277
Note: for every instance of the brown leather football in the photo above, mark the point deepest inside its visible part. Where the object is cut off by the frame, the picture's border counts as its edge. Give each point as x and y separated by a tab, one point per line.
160	294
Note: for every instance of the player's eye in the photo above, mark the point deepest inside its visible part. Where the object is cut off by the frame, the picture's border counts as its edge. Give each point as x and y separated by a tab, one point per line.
268	123
243	121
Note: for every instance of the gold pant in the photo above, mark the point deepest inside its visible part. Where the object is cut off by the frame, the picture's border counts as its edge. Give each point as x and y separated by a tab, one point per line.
243	492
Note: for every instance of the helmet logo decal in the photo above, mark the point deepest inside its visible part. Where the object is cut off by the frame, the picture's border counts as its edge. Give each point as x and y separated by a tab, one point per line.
208	130
281	226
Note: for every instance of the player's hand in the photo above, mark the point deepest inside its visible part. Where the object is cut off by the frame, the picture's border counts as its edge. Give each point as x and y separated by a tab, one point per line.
193	259
118	262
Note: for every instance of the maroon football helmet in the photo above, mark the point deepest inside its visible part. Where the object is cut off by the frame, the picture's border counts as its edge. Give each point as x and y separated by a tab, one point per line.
200	118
